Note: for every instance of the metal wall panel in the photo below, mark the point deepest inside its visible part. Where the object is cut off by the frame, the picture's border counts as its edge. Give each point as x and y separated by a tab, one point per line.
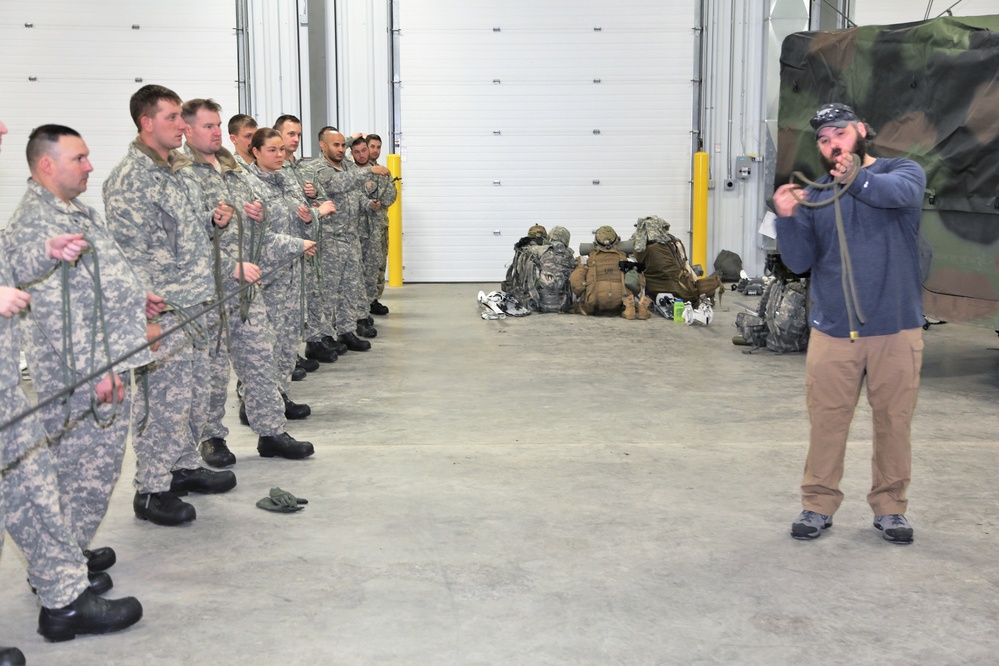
518	112
78	64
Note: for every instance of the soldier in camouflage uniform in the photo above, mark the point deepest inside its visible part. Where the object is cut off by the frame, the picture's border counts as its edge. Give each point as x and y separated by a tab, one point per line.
159	219
250	340
241	129
319	343
376	196
387	198
106	306
29	491
345	280
287	213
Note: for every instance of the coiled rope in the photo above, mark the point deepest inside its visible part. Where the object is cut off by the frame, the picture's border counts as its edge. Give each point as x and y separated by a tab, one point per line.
853	312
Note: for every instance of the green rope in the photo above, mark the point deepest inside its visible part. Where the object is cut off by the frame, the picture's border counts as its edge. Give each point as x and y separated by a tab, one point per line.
850	296
99	328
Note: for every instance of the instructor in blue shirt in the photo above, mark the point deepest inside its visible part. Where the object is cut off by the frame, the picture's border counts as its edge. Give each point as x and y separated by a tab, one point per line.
867	326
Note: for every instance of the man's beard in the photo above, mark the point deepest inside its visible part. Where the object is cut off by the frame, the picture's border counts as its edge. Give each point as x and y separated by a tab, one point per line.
859	148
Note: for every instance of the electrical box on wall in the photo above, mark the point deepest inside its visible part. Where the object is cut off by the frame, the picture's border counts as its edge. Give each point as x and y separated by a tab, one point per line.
744	166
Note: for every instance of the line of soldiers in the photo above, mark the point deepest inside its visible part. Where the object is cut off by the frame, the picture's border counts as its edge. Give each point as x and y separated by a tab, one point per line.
205	259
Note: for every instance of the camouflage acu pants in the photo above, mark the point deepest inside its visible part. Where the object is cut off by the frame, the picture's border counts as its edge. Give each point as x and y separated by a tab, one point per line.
383	260
87	455
176	410
251	350
317	320
282	297
30	509
371	256
345	283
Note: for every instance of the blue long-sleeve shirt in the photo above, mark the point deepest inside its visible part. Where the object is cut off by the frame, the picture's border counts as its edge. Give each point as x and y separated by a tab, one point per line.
881	210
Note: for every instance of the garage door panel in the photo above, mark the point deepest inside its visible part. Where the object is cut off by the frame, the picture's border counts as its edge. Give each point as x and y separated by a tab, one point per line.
87	61
546	120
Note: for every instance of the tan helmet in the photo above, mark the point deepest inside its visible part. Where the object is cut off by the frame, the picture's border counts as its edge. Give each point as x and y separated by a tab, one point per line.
537	231
606	236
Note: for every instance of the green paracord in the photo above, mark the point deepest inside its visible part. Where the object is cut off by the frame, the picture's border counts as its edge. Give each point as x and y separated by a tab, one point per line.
849	285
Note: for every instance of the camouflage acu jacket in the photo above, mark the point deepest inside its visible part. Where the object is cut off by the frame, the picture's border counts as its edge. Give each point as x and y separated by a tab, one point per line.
114	287
10	372
346	187
160	221
281	195
235	186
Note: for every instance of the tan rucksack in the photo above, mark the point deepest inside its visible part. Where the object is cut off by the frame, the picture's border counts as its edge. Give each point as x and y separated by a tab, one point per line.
599	283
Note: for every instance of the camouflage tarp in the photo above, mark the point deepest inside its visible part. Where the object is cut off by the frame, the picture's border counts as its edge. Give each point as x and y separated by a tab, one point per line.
930	90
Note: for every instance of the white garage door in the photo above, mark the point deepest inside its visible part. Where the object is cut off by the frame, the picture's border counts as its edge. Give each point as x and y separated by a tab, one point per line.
77	63
516	112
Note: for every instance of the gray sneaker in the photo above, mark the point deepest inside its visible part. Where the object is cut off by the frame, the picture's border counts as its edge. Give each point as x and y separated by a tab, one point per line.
809	525
894	527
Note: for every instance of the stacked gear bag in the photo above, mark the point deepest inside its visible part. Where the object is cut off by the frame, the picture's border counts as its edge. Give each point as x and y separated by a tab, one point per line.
538	276
555	264
667	269
781	320
609	283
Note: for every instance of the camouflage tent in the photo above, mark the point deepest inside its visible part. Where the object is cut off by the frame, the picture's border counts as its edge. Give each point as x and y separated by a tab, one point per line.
930	90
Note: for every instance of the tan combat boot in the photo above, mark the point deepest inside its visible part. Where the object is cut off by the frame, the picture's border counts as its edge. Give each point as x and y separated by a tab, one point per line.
629	307
642	311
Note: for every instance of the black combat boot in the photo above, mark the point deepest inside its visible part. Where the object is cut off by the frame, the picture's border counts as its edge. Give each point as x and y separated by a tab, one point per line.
354	343
216	453
202	480
89	614
317	351
365	330
294	411
284	446
307	364
377	308
332	343
299	374
100	559
11	656
162	508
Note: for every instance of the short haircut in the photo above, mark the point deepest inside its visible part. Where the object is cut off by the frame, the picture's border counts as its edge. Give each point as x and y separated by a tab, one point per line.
286	118
261	136
41	140
357	140
374	137
241	121
328	128
192	106
146	100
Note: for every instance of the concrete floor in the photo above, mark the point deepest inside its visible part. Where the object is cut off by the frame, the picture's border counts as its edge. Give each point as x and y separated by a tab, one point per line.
563	490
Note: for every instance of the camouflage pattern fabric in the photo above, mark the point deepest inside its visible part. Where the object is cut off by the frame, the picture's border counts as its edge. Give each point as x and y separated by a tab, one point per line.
159	220
369	231
29	492
168	440
280	194
251	342
651	228
929	90
345	285
88	449
387	198
30	509
317	320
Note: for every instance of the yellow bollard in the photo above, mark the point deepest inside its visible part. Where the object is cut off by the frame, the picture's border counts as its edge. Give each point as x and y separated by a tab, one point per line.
395	225
699	239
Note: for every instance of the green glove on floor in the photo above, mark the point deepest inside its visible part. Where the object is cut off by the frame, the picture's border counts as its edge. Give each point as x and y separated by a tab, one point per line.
281	501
